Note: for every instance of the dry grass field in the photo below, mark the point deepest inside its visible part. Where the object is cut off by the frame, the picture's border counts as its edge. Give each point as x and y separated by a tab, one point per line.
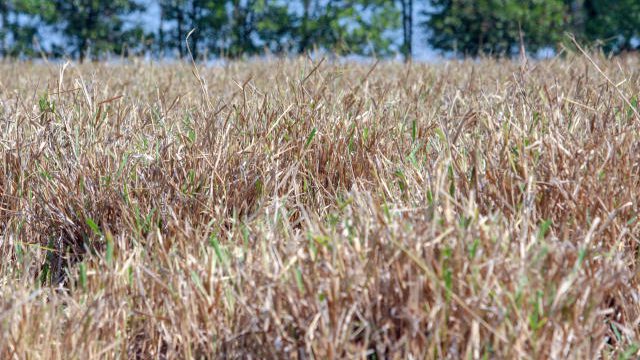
300	209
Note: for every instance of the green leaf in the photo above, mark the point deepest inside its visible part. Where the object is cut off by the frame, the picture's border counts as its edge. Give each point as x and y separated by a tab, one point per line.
94	227
217	249
299	282
630	353
544	229
109	255
473	248
414	131
429	197
82	268
310	137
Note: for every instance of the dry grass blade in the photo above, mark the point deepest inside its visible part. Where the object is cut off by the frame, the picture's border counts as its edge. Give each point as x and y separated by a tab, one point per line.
476	209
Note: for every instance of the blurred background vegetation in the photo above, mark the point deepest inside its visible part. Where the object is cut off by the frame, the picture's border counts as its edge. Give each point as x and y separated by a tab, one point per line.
96	29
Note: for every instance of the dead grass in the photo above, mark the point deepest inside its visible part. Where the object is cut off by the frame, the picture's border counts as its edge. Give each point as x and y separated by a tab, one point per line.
314	210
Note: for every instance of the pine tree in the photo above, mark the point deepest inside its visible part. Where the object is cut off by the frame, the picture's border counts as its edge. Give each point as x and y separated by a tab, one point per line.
494	26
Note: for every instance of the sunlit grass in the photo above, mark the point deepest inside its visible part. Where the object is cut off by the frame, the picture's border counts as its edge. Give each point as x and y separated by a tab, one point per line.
297	209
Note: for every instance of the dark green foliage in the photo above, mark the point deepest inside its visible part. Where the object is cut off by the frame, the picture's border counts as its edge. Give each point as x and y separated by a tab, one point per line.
494	26
21	37
406	9
346	26
257	25
93	27
613	24
236	28
228	27
206	17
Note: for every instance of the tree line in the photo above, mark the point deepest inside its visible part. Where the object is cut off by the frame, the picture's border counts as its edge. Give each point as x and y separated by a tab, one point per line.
233	28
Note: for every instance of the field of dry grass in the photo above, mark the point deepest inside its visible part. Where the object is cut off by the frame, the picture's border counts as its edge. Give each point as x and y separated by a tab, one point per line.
299	209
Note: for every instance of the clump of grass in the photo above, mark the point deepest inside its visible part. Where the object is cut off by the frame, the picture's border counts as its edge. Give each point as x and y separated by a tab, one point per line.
297	209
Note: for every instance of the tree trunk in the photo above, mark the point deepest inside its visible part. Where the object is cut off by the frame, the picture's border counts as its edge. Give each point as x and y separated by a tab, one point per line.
194	35
581	11
89	27
161	35
82	49
4	13
248	26
240	19
407	29
180	33
304	36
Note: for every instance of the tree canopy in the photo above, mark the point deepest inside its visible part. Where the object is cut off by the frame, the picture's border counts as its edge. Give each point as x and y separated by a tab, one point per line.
494	26
91	27
614	24
236	28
